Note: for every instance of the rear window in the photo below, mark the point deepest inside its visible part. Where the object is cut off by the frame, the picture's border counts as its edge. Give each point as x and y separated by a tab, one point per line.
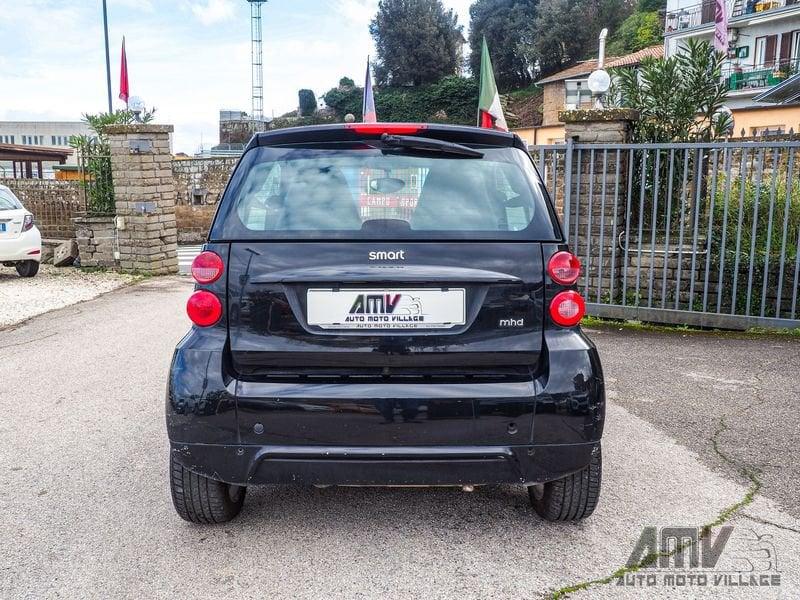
8	201
362	192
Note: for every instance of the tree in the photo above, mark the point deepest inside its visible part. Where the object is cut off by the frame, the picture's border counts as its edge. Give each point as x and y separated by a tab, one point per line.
566	31
344	99
651	6
640	30
418	42
307	102
678	98
507	26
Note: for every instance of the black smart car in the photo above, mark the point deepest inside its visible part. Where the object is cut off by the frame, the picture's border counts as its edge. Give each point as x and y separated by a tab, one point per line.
385	304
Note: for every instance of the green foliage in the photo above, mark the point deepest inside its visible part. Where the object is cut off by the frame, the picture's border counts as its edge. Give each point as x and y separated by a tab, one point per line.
646	6
307	101
640	30
507	27
346	82
418	42
94	155
566	31
100	121
344	99
748	211
677	98
450	100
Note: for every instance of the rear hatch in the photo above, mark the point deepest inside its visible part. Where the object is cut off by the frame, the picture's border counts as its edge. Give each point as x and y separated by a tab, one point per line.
11	223
371	287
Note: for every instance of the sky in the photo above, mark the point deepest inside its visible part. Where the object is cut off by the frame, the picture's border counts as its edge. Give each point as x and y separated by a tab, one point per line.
187	58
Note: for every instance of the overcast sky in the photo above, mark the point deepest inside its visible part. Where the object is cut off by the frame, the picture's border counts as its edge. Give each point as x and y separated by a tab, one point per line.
188	58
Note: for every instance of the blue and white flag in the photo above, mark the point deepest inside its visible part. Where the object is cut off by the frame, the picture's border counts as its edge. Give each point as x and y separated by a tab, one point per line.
369	115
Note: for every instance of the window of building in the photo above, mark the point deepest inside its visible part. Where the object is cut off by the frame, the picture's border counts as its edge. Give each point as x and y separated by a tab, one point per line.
578	94
766	48
768	130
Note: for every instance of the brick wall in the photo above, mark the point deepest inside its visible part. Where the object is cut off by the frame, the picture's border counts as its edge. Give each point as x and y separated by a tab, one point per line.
553	102
53	203
199	184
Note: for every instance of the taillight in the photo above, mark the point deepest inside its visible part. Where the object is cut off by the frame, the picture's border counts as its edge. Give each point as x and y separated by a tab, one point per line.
207	267
204	308
390	128
567	308
564	268
27	223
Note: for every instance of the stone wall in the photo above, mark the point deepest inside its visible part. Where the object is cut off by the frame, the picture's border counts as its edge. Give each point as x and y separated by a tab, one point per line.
199	184
97	241
144	190
54	204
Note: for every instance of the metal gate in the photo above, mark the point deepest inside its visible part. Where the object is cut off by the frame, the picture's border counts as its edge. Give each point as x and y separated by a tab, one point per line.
687	233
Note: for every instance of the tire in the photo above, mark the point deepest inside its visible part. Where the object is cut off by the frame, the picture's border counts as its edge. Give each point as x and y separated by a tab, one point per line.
202	500
27	268
570	498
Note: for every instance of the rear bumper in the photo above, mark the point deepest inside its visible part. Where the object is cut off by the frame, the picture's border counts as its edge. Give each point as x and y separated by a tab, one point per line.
404	434
460	465
26	246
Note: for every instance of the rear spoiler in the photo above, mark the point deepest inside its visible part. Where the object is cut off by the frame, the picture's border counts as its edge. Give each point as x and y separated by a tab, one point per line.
354	132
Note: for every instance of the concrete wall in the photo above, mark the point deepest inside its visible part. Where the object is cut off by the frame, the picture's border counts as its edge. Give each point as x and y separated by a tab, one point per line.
54	204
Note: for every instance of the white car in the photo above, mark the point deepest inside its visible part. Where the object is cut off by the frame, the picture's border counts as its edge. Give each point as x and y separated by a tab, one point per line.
20	240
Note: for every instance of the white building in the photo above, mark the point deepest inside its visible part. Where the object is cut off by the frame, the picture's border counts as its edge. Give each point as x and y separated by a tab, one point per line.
764	39
51	134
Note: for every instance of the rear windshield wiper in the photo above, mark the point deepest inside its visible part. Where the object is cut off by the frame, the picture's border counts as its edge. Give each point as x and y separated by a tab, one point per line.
408	142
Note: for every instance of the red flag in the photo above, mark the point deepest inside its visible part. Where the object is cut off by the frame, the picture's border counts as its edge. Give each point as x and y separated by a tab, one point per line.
123	75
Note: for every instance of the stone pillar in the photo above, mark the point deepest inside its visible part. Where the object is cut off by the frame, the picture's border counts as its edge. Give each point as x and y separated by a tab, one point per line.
144	195
595	170
605	126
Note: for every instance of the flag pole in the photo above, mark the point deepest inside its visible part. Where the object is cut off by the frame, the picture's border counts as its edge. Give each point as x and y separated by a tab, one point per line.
108	57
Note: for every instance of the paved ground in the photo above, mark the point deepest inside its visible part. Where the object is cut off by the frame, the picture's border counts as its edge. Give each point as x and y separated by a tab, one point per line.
85	511
52	288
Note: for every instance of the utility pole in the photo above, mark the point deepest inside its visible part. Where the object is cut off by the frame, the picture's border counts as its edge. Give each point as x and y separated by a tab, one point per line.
108	57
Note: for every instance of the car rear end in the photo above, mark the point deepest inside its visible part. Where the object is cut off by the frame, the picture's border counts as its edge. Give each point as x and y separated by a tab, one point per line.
20	240
385	305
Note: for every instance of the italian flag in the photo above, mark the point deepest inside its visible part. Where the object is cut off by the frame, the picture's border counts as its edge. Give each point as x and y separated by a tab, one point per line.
490	113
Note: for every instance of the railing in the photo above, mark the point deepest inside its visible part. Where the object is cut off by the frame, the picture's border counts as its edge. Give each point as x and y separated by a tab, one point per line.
690	233
703	13
762	76
94	162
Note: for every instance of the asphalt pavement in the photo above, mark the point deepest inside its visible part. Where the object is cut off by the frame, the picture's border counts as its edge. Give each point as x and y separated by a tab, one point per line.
701	429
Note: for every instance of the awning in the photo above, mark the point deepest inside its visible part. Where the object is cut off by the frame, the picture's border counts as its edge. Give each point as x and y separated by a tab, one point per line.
786	92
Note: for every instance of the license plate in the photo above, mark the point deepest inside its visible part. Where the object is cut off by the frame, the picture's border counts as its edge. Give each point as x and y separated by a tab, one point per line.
386	308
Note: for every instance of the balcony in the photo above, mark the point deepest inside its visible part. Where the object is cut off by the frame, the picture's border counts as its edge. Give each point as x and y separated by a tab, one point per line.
745	78
702	14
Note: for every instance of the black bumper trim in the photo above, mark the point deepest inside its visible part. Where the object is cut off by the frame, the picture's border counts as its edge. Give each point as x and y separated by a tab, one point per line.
416	465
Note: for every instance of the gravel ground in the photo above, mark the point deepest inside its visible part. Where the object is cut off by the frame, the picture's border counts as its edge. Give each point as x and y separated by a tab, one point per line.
52	288
85	509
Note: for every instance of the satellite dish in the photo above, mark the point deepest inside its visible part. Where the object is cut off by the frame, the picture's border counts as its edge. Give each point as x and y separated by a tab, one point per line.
599	81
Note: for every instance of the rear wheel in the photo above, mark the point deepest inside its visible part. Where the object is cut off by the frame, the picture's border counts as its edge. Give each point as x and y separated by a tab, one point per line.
570	498
199	499
27	268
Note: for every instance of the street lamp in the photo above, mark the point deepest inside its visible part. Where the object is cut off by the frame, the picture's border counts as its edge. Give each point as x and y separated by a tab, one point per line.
600	81
137	107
